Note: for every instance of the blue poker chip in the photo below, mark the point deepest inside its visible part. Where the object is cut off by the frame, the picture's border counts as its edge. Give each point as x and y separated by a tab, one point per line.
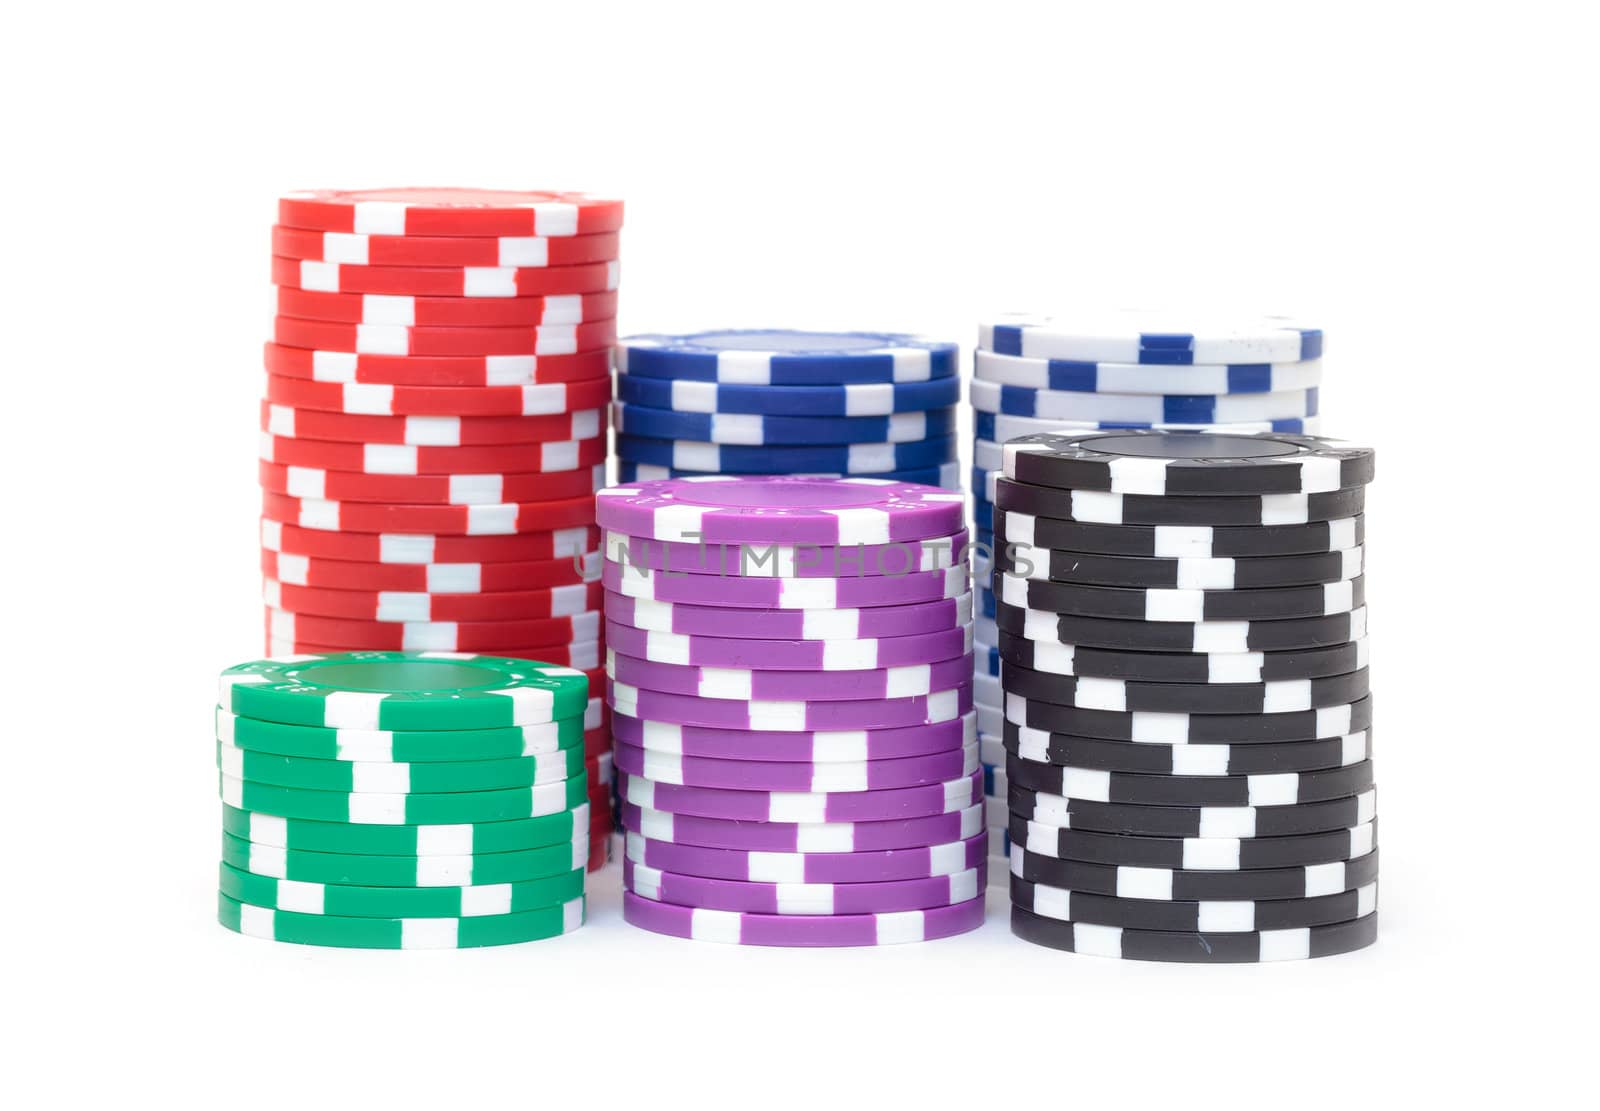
985	659
871	399
1079	376
786	358
999	428
753	429
1142	410
983	602
851	459
946	475
982	516
1136	336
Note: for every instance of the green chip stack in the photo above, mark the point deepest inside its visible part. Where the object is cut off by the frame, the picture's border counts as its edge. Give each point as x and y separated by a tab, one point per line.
402	800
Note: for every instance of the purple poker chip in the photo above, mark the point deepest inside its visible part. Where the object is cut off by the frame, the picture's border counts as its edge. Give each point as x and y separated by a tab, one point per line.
764	775
733	928
799	806
753	865
790	717
788	655
806	748
788	561
780	842
789	624
783	509
807	899
812	686
786	594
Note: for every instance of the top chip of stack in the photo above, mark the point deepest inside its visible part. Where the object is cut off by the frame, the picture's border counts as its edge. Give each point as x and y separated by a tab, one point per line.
395	801
874	405
1181	635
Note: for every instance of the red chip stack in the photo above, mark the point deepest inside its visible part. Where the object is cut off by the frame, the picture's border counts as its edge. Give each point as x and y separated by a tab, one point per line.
434	429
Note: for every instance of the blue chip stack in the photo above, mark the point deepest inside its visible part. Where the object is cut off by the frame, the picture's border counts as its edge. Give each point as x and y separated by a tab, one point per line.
869	405
1118	370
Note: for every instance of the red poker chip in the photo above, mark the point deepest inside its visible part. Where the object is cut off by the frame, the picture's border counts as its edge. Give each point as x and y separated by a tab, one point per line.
431	489
281	418
421	250
596	742
472	282
460	402
578	655
551	633
599	848
450	211
453	312
402	606
420	549
429	578
397	459
439	371
397	339
445	520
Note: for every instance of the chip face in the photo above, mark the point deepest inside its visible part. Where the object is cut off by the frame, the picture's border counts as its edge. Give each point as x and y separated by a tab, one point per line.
403	690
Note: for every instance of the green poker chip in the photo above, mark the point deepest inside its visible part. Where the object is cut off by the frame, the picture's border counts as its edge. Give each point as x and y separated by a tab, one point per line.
398	933
403	690
322	742
269	830
406	810
399	902
406	871
441	777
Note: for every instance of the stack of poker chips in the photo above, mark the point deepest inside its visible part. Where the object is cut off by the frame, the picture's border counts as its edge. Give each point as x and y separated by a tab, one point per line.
387	800
1182	633
872	405
434	426
1117	370
790	678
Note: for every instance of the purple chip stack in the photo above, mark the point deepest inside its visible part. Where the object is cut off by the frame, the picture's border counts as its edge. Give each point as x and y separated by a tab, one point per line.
789	670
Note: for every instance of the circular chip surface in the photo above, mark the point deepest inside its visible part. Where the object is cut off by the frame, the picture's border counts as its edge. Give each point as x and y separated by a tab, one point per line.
778	357
1144	461
1145	336
402	690
450	211
768	508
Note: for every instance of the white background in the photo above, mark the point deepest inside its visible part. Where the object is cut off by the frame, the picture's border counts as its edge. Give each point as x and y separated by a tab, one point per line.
1418	179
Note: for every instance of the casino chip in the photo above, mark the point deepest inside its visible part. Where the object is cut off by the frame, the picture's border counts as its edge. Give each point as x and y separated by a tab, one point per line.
406	800
789	673
1175	625
777	402
434	432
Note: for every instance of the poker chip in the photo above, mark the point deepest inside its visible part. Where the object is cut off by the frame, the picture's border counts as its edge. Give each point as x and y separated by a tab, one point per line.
1192	821
802	931
947	475
1161	884
839	601
390	777
358	901
429	250
806	685
873	399
1195	853
1179	636
419	549
397	339
1097	506
755	429
447	520
1221	916
1138	336
451	212
1154	409
1176	728
803	746
1198	948
433	636
437	854
802	899
857	459
1280	696
1167	604
750	684
564	401
779	510
466	282
773	358
425	431
405	874
439	371
1090	376
320	742
398	933
635	554
816	655
430	578
389	605
820	851
994	429
446	312
474	489
1184	573
1065	658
